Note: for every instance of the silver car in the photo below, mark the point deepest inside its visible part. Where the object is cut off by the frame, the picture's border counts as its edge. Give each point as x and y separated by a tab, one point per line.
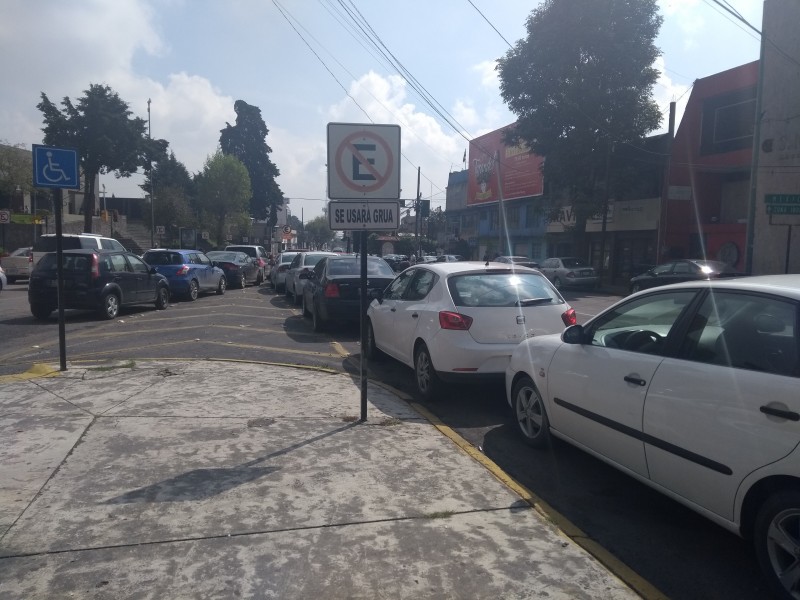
302	262
277	275
569	271
19	264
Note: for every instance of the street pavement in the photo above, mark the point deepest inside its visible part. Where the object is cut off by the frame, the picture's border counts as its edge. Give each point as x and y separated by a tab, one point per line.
220	479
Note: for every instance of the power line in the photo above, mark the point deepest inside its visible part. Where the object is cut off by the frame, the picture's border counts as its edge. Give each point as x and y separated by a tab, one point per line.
490	24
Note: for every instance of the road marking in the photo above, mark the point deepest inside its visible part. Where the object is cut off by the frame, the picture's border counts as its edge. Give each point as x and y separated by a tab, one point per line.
36	371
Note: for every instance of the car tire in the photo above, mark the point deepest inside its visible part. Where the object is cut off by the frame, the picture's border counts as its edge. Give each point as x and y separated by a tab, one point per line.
222	285
109	306
427	380
295	298
557	283
776	528
371	351
317	322
194	290
530	414
41	312
162	297
306	312
286	290
243	281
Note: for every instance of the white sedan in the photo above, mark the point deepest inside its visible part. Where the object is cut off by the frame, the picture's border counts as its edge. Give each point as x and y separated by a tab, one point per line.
692	389
460	321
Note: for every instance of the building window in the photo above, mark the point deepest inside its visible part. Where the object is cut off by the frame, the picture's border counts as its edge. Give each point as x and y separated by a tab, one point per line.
512	217
728	122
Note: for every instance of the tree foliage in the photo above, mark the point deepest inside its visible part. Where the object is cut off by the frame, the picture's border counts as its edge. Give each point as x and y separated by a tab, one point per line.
247	141
223	194
580	83
16	169
107	137
317	232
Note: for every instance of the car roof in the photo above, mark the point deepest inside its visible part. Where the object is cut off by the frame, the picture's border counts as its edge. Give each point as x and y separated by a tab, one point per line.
786	285
471	266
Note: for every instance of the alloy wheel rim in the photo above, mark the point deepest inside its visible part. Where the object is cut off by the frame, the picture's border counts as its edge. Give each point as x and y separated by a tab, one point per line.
529	414
423	371
783	548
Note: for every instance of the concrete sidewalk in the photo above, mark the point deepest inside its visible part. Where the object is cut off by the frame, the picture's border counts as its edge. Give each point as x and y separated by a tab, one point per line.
225	480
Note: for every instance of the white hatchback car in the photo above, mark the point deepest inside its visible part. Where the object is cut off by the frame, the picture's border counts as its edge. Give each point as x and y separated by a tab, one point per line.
693	389
461	321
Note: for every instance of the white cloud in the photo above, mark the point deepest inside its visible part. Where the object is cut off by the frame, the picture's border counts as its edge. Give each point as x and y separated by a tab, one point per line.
488	74
667	91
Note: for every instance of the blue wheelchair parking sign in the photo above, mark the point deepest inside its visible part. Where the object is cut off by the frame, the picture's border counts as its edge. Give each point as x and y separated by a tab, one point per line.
55	167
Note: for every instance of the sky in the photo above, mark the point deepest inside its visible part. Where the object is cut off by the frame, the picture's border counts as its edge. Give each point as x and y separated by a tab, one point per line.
304	64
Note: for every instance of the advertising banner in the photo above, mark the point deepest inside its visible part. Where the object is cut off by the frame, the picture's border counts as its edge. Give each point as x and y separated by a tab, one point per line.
520	170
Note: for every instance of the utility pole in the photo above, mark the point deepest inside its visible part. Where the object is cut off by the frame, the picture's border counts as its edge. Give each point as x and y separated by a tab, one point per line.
152	187
417	210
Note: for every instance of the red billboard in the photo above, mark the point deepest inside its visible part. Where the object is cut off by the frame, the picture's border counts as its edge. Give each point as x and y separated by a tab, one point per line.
520	170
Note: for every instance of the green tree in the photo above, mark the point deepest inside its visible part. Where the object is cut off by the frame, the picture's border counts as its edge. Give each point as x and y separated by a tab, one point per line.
107	137
16	169
580	83
435	223
247	141
223	194
317	232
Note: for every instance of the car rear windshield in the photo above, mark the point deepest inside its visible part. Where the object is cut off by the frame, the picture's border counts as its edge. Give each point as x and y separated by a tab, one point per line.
352	266
309	260
163	258
48	243
224	256
501	289
249	250
73	263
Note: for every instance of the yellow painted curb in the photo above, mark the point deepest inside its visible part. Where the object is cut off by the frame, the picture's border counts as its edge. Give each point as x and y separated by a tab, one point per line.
36	371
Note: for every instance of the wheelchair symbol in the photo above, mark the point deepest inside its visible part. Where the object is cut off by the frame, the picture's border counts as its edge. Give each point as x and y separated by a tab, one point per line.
52	171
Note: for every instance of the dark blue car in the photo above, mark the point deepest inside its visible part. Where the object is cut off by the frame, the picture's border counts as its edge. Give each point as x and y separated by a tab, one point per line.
189	272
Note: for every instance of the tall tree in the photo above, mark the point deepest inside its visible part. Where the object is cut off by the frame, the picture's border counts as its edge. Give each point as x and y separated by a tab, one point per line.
223	193
247	141
107	137
580	83
317	232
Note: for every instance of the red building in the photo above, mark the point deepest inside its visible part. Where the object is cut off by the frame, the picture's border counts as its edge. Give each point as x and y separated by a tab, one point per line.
705	211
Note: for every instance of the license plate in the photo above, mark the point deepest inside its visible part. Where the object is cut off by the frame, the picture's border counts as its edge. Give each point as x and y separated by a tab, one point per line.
587	273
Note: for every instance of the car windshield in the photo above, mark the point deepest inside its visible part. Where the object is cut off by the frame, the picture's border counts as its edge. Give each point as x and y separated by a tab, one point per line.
713	266
352	266
571	263
309	260
250	251
48	243
21	252
163	257
501	289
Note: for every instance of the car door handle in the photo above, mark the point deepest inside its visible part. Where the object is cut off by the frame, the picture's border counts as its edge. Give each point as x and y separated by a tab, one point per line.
393	309
414	315
636	380
777	412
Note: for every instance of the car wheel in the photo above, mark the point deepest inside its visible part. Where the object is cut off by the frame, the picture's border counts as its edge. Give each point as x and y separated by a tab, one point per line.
109	306
162	297
243	281
530	414
295	298
222	285
371	351
260	278
557	283
317	323
286	290
777	542
194	290
41	312
306	312
428	382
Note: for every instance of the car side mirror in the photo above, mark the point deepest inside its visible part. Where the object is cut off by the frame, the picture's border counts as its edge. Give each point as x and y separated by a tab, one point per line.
152	271
574	334
304	275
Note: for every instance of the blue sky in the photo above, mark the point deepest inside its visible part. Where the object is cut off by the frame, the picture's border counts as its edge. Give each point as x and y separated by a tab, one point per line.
193	59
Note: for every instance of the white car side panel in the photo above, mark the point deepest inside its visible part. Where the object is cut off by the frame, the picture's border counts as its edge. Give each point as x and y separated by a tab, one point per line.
591	401
713	412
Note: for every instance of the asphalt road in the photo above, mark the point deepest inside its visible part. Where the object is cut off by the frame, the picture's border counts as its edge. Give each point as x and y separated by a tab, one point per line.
678	552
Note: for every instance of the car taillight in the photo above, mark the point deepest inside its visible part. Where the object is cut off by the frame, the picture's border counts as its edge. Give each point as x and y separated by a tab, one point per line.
570	317
571	274
30	258
95	267
331	290
454	320
183	270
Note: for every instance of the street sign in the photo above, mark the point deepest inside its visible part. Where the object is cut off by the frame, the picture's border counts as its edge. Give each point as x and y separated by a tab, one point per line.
363	161
379	216
5	217
287	229
783	209
161	229
782	198
55	167
204	235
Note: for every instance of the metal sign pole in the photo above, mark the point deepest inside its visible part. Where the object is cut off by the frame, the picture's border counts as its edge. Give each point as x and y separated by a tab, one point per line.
364	304
62	334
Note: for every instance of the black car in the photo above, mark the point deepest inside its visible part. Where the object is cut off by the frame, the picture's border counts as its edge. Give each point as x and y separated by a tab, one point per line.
99	280
332	289
680	270
240	268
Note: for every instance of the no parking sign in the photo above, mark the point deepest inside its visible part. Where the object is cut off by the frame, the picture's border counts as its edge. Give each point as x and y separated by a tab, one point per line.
363	161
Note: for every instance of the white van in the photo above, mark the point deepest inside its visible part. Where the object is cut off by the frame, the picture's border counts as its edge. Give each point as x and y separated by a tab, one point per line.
73	241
